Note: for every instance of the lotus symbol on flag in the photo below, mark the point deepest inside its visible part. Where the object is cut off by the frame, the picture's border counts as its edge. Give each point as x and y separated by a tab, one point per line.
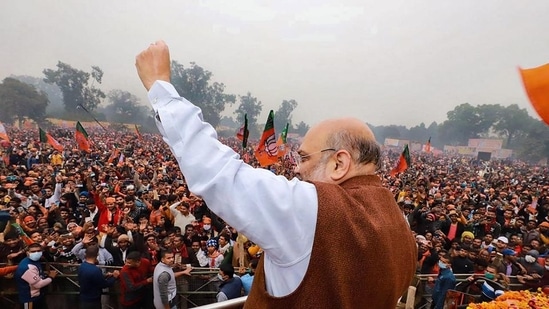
270	146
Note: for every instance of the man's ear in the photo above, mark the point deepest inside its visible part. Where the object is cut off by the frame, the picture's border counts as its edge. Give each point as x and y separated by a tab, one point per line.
340	165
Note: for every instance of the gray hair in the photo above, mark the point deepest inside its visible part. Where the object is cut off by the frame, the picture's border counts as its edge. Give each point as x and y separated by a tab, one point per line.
363	150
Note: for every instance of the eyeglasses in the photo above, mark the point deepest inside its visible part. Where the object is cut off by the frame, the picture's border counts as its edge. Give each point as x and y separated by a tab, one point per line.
299	158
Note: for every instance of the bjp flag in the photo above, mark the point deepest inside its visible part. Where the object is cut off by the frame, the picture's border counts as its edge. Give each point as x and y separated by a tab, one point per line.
81	137
267	151
3	133
536	84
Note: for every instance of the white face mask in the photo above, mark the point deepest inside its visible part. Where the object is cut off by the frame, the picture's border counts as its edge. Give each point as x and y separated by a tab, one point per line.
220	277
530	259
207	227
35	256
547	267
442	265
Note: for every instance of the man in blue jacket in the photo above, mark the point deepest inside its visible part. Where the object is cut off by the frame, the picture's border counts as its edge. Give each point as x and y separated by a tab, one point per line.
231	286
92	281
445	281
31	279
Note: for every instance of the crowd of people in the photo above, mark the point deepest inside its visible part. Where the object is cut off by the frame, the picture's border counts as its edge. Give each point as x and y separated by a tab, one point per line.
126	204
111	203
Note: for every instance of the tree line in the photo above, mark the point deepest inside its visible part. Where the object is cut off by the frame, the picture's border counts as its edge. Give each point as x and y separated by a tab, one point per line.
66	92
70	93
527	136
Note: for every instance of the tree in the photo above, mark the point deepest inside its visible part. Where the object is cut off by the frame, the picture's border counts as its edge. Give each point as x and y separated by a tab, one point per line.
194	84
125	107
512	122
465	122
52	91
535	144
419	133
20	100
284	114
74	86
227	121
302	128
251	106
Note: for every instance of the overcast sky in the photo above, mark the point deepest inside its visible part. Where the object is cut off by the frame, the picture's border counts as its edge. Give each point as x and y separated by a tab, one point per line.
386	62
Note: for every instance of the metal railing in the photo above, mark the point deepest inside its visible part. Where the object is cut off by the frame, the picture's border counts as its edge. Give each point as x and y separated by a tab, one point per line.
236	303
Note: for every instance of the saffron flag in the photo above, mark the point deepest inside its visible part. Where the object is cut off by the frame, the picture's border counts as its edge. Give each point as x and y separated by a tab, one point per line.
81	137
113	156
6	158
138	133
243	132
536	84
267	151
46	138
26	239
281	143
121	159
428	145
3	133
403	162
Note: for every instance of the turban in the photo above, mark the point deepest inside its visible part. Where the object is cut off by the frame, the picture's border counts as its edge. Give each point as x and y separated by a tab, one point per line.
468	234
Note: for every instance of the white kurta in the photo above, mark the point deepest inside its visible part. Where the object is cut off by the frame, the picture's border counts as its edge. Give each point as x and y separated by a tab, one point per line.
277	214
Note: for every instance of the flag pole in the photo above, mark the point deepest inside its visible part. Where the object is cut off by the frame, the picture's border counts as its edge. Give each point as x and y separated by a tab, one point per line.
99	123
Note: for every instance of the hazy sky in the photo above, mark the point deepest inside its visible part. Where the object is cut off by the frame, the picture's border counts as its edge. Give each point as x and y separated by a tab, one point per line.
386	62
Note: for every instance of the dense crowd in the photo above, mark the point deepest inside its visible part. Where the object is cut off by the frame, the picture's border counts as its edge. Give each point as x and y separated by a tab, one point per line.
128	194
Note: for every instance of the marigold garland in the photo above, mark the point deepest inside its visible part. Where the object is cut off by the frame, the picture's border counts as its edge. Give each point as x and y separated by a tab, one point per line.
516	300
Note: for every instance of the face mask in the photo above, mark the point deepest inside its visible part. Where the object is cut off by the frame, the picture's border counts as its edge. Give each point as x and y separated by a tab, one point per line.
547	267
207	227
220	277
442	265
35	256
530	259
489	276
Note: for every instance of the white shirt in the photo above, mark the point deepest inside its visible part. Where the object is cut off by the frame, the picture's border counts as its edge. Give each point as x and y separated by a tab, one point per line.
277	214
180	219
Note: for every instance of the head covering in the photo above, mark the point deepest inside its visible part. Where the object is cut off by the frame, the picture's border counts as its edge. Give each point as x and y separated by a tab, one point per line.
468	234
130	187
71	224
533	253
431	216
84	193
212	243
420	238
253	250
123	237
503	239
544	224
508	252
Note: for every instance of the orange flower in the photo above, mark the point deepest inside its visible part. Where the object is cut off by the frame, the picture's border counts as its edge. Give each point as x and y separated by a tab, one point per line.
516	300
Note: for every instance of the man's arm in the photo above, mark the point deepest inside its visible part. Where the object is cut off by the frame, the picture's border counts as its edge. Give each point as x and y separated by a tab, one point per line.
132	286
163	280
216	172
173	209
221	297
